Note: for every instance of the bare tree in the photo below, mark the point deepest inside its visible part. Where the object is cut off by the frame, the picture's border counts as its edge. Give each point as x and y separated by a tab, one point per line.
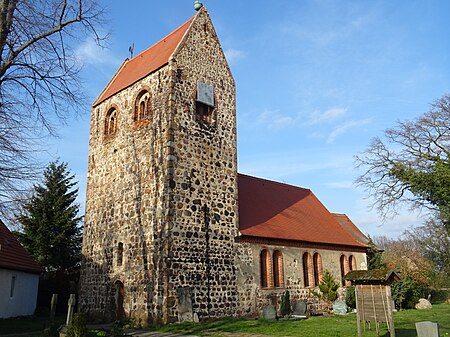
39	79
411	164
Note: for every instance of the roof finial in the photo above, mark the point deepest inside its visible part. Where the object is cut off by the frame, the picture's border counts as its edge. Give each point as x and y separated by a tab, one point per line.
131	50
197	5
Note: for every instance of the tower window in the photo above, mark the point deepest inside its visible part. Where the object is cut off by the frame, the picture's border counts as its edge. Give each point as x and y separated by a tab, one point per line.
119	254
110	128
142	108
204	113
204	104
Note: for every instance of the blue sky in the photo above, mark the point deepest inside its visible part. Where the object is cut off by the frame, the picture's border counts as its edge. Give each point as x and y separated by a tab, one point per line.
316	81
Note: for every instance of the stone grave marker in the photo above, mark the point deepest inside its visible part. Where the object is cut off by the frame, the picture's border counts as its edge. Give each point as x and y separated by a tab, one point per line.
427	329
53	306
269	312
71	305
184	297
299	310
339	307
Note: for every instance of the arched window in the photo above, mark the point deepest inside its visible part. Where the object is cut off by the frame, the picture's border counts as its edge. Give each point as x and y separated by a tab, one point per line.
278	269
308	270
266	269
142	108
344	268
110	123
120	254
352	262
318	269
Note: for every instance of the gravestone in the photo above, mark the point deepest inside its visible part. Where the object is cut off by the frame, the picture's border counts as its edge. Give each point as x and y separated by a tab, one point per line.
184	297
299	310
427	329
70	309
339	307
269	312
53	306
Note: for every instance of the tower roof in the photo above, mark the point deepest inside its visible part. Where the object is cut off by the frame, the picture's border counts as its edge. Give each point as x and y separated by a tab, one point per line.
273	210
145	63
12	255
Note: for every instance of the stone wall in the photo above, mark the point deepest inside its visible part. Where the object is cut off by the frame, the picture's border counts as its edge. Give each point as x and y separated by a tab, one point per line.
204	222
252	297
124	203
166	191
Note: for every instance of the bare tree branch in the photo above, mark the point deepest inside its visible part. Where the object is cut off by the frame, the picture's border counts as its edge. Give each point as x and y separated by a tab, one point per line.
39	79
411	165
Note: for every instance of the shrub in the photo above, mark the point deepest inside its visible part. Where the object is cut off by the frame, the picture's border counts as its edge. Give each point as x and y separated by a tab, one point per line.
78	327
350	297
406	293
437	295
116	331
51	331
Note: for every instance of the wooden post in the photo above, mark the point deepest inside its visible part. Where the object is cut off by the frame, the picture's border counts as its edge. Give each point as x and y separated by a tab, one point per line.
71	306
53	306
390	309
358	313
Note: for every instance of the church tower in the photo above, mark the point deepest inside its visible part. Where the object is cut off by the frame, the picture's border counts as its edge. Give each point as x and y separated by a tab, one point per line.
161	203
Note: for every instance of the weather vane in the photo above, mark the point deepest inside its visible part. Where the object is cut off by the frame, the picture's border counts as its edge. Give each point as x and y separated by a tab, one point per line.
197	5
131	50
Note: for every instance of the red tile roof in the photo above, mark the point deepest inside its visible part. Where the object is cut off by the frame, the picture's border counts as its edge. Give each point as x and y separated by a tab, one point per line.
13	255
351	228
274	210
145	63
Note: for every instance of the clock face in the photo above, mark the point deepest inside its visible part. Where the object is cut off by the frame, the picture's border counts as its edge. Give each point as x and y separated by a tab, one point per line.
205	93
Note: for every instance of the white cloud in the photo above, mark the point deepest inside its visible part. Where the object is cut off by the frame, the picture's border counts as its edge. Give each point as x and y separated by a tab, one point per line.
89	52
340	185
343	128
273	119
233	55
326	116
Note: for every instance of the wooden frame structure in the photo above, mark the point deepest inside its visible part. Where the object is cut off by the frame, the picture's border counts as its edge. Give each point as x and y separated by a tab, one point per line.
373	298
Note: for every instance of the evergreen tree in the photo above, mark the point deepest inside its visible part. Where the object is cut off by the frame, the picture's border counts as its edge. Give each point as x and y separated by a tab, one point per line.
50	221
374	256
328	288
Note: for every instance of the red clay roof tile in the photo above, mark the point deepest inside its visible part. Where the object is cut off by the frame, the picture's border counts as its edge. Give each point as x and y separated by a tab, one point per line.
274	210
145	63
351	228
12	255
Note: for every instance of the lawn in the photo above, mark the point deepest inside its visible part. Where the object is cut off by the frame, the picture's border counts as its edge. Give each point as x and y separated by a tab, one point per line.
319	326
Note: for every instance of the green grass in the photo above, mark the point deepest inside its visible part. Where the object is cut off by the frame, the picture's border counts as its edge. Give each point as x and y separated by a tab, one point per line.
319	326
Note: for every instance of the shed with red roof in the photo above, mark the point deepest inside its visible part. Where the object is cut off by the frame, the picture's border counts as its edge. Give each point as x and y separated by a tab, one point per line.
19	277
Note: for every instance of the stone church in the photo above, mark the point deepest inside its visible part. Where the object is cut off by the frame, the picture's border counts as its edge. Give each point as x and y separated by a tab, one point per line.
172	231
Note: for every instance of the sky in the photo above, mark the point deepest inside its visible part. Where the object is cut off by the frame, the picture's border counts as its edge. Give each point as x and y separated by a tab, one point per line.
316	80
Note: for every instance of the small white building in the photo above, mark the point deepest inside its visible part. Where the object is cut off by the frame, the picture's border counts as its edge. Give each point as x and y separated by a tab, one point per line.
19	277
